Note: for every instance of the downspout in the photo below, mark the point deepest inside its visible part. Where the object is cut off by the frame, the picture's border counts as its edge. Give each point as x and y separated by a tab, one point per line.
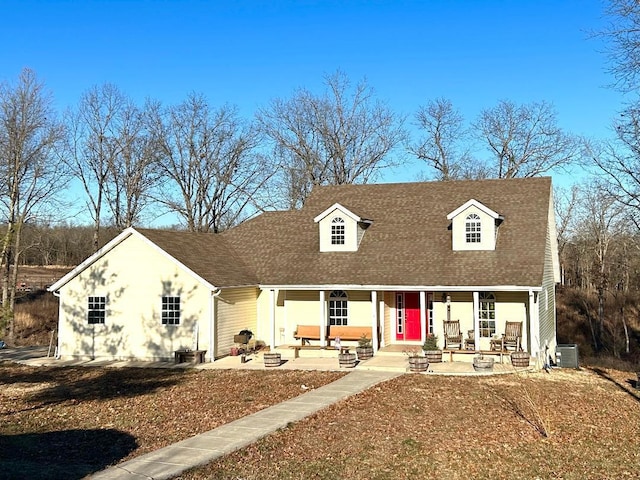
212	318
56	355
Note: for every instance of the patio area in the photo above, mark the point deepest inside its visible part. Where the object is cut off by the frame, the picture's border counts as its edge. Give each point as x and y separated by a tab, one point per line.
387	359
391	358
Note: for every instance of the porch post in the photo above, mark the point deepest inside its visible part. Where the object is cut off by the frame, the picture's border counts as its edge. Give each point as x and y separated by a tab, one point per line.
272	315
374	320
423	316
323	319
476	319
382	323
534	325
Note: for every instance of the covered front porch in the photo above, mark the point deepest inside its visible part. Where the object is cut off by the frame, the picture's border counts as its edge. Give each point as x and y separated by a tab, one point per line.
398	319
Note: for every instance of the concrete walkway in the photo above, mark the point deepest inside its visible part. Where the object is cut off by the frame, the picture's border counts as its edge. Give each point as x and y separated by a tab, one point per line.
206	447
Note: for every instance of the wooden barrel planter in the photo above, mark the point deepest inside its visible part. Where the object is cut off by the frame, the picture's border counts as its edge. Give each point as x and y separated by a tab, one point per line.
434	356
418	364
272	359
364	353
347	360
483	364
520	359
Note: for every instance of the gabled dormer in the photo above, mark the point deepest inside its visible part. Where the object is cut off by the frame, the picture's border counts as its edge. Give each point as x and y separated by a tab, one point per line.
340	229
474	226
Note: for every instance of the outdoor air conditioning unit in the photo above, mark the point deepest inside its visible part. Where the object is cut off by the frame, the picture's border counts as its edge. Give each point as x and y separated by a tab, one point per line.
567	355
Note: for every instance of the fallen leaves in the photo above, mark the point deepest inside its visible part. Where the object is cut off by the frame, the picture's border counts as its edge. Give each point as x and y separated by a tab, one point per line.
153	407
419	426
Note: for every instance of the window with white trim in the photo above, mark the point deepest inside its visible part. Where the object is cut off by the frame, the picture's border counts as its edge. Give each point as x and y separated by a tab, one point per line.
337	231
487	314
170	310
96	310
338	308
472	228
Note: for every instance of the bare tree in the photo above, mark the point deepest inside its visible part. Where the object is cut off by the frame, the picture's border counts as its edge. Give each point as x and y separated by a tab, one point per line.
619	161
214	175
30	173
525	140
114	156
133	172
602	219
622	35
444	144
342	136
565	206
94	145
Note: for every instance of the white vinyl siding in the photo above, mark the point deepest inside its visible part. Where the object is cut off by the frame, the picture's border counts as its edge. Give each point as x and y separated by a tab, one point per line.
235	310
547	309
132	278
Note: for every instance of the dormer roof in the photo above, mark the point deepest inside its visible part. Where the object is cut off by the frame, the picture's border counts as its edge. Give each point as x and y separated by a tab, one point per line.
478	205
345	211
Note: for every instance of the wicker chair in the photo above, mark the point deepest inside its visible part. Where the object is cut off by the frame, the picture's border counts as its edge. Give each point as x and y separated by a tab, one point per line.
452	334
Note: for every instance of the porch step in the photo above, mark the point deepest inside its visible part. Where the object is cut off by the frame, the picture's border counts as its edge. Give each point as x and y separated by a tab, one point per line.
385	363
313	351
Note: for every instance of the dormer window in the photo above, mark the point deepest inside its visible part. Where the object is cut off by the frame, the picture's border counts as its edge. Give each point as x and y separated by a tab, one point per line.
340	230
472	228
337	231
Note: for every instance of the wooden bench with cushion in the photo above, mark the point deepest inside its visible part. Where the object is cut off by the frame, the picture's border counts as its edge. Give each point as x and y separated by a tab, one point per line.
348	333
304	333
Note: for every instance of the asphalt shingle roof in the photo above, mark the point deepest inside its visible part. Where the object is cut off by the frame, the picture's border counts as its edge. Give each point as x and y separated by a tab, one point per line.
207	254
409	242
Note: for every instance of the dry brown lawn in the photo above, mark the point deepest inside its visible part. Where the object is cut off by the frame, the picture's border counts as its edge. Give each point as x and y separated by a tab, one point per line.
566	424
69	422
66	422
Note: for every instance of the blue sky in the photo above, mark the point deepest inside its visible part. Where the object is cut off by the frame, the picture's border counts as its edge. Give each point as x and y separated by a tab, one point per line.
248	52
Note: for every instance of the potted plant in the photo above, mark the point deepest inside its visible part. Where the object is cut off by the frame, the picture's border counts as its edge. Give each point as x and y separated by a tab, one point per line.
364	348
481	364
417	361
346	359
431	350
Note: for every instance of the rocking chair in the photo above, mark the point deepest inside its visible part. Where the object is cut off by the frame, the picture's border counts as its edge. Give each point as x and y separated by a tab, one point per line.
452	334
511	338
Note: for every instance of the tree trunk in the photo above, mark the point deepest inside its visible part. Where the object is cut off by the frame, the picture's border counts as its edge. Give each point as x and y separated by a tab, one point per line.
626	331
600	320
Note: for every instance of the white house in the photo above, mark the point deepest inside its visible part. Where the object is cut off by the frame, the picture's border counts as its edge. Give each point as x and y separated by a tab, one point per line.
398	258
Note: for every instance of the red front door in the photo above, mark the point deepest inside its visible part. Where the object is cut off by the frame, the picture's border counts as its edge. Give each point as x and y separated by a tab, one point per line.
408	316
